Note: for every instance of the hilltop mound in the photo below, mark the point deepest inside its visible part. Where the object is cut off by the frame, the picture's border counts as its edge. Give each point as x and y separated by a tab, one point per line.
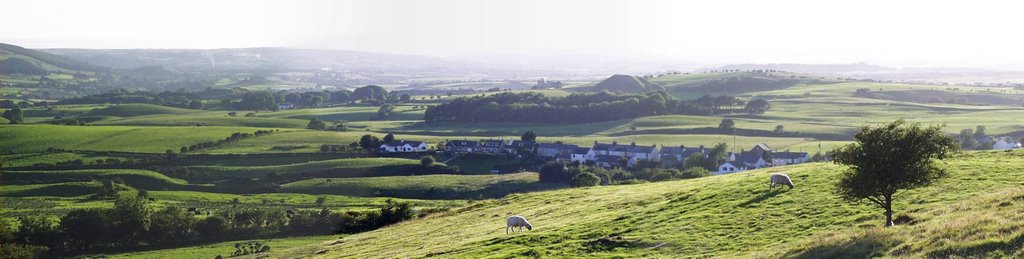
38	62
627	84
136	109
733	216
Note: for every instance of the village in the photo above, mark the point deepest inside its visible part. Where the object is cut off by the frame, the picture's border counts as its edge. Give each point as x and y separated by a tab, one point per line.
607	155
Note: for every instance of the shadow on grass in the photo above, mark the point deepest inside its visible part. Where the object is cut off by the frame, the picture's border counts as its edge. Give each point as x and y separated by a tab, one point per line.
867	246
760	198
991	248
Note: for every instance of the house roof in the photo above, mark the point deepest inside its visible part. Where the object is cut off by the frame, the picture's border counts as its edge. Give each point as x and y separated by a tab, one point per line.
789	155
763	146
403	142
462	143
748	159
522	143
632	148
557	146
492	143
581	150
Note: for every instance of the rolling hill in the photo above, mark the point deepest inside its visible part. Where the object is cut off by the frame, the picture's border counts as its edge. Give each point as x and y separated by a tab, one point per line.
627	84
18	60
974	212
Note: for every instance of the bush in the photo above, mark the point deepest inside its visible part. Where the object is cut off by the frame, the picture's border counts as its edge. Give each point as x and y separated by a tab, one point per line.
555	172
585	179
212	227
694	172
22	251
427	161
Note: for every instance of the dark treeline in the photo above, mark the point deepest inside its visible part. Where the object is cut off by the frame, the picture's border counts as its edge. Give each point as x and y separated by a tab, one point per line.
132	225
576	108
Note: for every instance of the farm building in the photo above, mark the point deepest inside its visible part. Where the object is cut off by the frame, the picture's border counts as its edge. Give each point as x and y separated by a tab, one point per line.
404	146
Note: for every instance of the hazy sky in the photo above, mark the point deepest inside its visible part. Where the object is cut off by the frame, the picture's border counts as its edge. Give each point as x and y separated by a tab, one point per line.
898	33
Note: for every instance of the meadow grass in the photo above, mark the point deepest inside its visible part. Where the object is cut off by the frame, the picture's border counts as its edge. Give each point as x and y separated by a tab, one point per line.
139	109
279	247
133	177
206	119
339	165
38	138
423	186
28	159
732	215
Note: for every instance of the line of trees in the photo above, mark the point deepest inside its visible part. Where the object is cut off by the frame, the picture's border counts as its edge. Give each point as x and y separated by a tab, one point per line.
131	224
577	108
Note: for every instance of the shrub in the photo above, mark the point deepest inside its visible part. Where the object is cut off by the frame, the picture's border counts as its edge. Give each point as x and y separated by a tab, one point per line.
22	251
694	172
427	161
555	172
212	227
585	179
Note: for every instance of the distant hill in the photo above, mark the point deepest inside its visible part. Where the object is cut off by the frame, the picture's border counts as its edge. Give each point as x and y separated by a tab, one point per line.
627	84
260	59
18	60
810	68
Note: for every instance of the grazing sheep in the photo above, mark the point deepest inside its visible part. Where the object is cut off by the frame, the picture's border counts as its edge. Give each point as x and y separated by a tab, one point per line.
781	179
517	221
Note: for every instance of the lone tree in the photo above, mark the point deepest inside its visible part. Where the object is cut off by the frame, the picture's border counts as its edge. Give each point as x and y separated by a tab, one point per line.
891	158
427	161
529	136
727	124
316	124
388	138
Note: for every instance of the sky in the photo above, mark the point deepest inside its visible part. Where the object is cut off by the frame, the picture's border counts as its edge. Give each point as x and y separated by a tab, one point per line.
978	33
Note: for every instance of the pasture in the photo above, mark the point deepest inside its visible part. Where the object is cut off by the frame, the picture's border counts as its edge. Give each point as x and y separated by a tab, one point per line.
731	215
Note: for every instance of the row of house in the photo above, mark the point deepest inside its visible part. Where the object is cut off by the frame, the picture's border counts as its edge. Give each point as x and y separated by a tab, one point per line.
760	156
608	154
490	146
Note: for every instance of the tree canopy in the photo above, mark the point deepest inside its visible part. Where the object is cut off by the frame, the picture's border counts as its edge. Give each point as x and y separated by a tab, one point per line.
890	158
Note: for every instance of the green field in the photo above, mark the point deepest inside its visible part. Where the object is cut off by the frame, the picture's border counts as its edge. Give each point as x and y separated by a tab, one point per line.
342	167
732	215
20	139
424	186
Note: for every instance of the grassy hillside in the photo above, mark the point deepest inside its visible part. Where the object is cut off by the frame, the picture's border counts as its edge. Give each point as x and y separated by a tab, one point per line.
731	215
36	138
136	178
138	109
348	167
424	187
46	61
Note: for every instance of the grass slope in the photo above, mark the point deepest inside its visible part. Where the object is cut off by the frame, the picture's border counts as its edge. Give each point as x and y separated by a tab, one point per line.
352	164
424	186
135	178
139	109
731	215
37	138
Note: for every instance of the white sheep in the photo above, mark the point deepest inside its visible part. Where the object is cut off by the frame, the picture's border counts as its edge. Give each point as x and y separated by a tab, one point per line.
517	221
781	179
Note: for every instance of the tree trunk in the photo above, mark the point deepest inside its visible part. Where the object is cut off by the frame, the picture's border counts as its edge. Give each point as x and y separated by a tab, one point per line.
888	211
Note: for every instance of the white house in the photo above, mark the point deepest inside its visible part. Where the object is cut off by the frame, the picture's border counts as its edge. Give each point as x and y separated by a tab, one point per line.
582	155
1005	143
789	158
404	146
744	161
631	151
